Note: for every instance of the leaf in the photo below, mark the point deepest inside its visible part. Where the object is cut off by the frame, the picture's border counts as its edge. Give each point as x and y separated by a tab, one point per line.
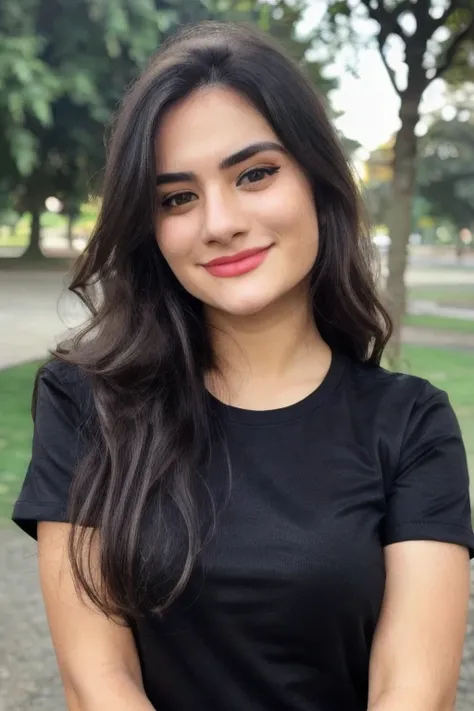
82	87
118	22
23	146
22	71
42	110
113	46
340	7
15	106
165	19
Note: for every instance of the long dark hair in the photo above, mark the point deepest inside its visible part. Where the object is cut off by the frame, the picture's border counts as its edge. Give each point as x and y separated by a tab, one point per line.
145	349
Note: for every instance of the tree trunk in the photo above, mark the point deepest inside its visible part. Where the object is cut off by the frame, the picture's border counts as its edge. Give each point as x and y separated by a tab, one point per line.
69	235
33	251
459	245
400	218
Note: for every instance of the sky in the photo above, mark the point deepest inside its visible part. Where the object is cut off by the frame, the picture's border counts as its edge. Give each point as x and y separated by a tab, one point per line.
369	102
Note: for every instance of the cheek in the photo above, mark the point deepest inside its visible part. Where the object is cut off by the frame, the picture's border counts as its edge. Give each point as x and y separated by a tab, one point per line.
176	240
291	212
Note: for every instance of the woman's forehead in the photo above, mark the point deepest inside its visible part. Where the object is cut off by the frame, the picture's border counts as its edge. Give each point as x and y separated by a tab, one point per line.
206	127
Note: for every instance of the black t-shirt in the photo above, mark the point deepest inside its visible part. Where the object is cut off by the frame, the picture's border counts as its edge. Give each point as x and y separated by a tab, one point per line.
280	612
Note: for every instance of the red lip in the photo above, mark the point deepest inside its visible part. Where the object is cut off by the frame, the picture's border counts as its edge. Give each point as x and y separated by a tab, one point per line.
235	257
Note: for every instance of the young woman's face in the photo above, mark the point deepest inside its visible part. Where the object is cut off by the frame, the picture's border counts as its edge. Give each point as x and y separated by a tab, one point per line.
228	190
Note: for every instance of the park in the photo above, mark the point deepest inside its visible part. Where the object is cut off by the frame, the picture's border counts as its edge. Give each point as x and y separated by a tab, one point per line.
55	111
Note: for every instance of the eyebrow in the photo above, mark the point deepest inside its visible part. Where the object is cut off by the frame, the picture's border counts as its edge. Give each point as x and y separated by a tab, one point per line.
234	159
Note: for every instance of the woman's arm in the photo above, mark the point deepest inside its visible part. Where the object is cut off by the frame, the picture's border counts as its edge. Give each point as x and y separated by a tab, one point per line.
97	657
417	648
119	692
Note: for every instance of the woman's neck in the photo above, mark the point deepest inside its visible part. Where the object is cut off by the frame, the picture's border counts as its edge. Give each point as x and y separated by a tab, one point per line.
270	359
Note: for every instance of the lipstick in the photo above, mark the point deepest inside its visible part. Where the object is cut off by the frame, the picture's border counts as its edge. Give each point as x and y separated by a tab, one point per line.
237	264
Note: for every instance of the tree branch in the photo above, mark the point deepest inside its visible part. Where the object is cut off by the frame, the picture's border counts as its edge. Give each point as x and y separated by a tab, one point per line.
452	49
390	71
382	15
388	22
453	5
387	19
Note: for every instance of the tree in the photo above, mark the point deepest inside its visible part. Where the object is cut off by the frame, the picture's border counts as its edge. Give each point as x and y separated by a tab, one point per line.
445	174
64	67
436	39
444	188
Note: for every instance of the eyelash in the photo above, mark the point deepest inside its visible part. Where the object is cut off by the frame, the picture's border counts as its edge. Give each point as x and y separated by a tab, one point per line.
267	170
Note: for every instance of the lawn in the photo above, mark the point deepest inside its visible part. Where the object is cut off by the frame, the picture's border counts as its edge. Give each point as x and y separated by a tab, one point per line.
442	323
450	370
15	430
459	295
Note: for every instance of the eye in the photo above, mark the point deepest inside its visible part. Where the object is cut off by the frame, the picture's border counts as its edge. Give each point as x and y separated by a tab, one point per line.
178	200
256	175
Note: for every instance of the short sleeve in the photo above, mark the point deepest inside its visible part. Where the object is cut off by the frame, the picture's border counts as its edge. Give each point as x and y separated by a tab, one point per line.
428	497
45	492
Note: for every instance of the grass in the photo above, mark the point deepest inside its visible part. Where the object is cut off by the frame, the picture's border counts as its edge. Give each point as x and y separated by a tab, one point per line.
452	371
48	264
460	295
20	238
448	369
16	429
442	323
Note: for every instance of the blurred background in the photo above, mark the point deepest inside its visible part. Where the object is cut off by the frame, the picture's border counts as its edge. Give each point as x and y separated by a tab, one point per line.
398	80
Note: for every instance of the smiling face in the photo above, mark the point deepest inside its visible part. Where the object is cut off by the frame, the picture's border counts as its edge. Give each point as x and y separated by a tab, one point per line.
228	189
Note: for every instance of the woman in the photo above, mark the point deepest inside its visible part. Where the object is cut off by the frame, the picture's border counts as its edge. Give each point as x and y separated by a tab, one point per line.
236	507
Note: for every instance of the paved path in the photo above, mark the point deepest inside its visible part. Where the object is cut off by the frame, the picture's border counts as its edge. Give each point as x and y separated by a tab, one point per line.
29	680
35	311
431	308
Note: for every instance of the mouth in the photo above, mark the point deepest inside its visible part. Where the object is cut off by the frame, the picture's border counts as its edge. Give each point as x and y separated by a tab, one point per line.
237	264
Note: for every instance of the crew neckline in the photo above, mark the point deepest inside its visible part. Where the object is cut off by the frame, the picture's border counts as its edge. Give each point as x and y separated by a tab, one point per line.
289	412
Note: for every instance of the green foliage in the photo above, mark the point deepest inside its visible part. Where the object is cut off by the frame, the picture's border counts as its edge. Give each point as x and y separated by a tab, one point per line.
377	199
337	8
445	176
63	68
446	171
460	67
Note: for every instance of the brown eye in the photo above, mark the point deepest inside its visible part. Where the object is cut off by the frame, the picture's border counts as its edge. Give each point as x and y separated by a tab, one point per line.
255	175
178	200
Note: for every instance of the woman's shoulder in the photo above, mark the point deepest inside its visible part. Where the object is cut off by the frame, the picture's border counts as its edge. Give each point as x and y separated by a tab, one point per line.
63	380
61	371
395	388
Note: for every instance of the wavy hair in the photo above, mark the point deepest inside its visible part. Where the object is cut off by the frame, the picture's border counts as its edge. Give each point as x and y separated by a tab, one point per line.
145	348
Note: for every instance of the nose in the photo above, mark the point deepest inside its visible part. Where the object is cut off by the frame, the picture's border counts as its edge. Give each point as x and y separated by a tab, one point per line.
224	216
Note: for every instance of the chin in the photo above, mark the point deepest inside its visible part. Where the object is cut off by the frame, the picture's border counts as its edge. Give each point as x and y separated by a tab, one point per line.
245	307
